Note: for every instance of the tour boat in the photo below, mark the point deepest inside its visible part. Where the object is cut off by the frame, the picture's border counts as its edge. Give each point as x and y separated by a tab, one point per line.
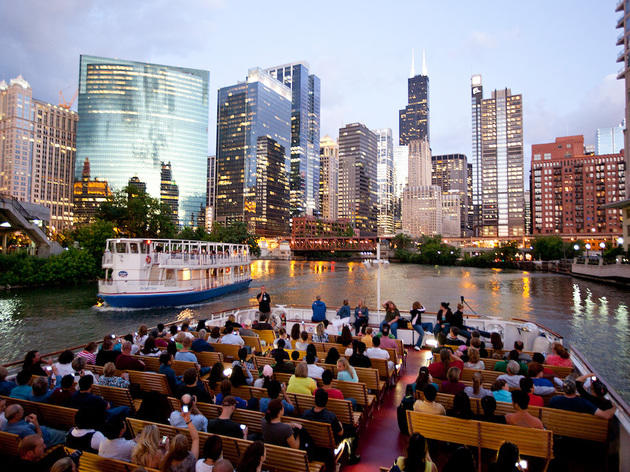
142	273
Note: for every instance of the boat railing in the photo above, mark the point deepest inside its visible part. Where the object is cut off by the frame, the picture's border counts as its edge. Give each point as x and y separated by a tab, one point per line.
128	284
211	260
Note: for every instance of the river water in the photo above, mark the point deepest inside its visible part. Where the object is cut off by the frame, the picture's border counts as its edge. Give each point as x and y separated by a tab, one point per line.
591	316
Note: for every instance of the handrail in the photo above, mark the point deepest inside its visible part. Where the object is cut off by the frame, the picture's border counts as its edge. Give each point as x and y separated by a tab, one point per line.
541	326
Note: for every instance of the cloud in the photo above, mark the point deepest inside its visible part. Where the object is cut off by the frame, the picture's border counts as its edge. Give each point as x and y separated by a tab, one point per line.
482	39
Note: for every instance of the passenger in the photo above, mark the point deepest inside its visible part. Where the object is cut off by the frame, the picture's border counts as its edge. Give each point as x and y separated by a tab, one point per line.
23	389
177	419
570	401
547	372
597	394
232	337
501	391
193	386
367	337
474	362
418	458
560	356
319	310
320	336
392	315
215	335
518	347
275	431
476	342
444	318
125	361
262	324
332	356
376	352
416	321
424	378
461	407
89	353
5	385
32	456
79	365
535	371
512	377
303	343
247	365
429	405
477	390
238	377
452	385
33	363
327	378
361	317
41	390
358	357
489	406
521	417
63	365
83	435
452	339
508	459
501	366
447	360
300	382
212	452
107	353
223	425
265	379
149	450
461	460
273	392
226	391
166	361
346	340
253	458
264	304
110	379
314	371
345	371
115	446
150	349
279	354
497	343
246	330
527	386
232	323
84	398
344	311
155	408
179	458
62	396
282	335
295	334
387	340
186	328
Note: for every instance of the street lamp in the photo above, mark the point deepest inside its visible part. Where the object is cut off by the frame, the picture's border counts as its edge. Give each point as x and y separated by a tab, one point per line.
602	245
576	247
620	241
588	247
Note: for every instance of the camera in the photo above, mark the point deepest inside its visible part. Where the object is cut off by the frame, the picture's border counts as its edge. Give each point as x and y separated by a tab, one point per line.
75	456
185	408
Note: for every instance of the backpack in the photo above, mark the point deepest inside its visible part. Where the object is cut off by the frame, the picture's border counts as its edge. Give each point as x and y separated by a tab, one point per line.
401	413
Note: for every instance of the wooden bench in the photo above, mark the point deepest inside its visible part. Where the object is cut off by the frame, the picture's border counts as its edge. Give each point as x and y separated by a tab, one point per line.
153	364
358	391
9	444
208	359
489	376
253	342
560	371
266	335
116	396
341	408
384	372
483	435
90	462
261	361
282	459
229	351
150	381
54	416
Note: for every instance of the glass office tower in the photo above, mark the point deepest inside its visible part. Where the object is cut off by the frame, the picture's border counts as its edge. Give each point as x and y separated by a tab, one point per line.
305	128
258	107
134	116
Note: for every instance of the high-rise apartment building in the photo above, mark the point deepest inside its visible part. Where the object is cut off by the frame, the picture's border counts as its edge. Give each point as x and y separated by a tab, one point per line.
258	107
476	95
450	173
469	193
623	39
609	140
169	191
136	115
502	206
385	177
37	151
211	181
329	178
569	189
358	187
89	194
413	120
305	128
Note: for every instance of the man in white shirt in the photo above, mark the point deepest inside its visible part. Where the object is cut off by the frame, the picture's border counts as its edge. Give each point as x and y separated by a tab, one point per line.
115	446
232	337
375	352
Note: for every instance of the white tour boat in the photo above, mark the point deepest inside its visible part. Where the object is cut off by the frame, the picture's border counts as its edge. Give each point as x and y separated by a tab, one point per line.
142	273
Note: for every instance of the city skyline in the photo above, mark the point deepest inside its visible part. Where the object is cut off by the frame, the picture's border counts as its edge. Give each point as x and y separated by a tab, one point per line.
573	100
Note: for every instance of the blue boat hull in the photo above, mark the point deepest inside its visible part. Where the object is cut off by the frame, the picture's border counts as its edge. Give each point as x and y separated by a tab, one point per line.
149	300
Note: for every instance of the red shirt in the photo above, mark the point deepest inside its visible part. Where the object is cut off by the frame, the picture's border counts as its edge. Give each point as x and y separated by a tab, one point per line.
334	393
438	371
536	400
125	362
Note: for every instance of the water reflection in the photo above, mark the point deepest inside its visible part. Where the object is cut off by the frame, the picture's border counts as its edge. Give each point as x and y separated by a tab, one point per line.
587	314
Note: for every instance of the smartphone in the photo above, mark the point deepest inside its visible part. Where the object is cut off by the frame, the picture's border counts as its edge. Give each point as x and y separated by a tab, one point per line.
113	336
135	334
593	378
185	408
522	463
48	368
163	441
243	427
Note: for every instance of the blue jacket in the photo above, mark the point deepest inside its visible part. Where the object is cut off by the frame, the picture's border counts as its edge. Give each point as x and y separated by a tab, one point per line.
319	311
344	312
200	345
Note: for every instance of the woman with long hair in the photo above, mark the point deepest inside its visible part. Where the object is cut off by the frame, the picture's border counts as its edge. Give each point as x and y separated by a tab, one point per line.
477	390
149	348
276	432
361	316
314	371
444	319
495	340
253	458
560	356
508	459
238	378
179	458
295	333
346	338
474	360
418	458
320	336
216	375
461	407
149	450
332	356
345	371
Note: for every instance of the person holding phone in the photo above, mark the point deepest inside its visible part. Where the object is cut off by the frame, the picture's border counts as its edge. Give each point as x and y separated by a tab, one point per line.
264	301
189	407
223	425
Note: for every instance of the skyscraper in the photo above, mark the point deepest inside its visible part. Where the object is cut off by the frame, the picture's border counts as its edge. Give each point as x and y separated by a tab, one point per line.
385	178
329	178
476	93
414	118
258	107
134	116
450	173
358	187
623	39
211	180
609	140
37	151
89	194
401	171
169	191
305	127
502	164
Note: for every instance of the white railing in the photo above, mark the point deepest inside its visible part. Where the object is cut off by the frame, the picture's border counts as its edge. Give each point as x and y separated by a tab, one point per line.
199	260
126	286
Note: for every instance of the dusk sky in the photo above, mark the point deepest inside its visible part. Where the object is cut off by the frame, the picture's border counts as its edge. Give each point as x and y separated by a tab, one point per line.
560	55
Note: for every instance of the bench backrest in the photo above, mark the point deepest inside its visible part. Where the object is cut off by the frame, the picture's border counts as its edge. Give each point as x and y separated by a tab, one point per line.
151	363
489	376
382	367
230	351
261	361
266	335
575	425
208	359
369	376
356	390
254	342
94	463
9	444
116	396
150	381
59	417
341	408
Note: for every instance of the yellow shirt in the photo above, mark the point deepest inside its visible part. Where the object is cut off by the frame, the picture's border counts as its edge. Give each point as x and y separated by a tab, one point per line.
367	339
304	385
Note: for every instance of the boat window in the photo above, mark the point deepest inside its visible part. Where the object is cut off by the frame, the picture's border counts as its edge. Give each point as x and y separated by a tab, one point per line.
109	246
121	248
144	248
133	248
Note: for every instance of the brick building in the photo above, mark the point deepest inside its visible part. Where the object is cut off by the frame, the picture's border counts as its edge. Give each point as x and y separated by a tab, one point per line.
569	189
310	226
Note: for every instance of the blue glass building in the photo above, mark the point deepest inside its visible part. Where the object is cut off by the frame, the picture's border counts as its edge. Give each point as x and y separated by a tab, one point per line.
134	116
305	130
247	111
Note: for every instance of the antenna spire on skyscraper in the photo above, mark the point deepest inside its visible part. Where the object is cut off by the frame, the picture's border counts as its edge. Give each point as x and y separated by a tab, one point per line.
424	63
412	73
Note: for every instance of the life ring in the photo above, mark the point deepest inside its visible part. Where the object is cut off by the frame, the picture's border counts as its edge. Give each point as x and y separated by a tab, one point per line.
148	259
227	271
